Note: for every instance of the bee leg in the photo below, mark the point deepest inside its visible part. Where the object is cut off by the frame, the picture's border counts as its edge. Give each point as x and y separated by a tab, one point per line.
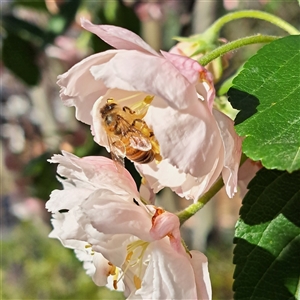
143	127
129	110
139	123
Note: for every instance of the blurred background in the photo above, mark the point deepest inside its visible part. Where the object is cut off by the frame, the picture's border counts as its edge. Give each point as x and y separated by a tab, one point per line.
42	39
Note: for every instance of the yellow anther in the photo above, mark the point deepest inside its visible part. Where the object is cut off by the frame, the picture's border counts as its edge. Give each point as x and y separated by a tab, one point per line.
112	269
148	99
129	255
137	282
115	284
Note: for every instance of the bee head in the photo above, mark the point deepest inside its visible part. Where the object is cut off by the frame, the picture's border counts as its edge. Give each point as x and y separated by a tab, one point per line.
107	108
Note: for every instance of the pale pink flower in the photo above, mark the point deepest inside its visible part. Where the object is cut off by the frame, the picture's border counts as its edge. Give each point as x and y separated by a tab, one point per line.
196	143
246	173
198	44
124	244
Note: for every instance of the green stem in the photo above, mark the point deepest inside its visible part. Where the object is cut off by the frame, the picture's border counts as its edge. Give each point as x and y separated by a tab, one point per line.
193	208
215	27
253	39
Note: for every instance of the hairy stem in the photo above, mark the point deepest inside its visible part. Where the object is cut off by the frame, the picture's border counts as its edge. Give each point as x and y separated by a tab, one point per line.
217	25
253	39
193	208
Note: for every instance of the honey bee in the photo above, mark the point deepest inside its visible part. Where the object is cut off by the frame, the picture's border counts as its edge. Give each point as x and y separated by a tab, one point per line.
128	134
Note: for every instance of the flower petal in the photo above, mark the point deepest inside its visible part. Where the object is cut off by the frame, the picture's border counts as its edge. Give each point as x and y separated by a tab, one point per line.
246	173
118	37
200	267
78	87
169	275
90	173
136	71
233	149
190	140
187	66
112	214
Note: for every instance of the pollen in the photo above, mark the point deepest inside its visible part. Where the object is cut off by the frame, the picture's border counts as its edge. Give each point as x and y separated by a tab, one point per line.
137	282
113	271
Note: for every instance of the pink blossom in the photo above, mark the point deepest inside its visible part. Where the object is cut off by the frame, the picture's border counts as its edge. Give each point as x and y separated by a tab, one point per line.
246	173
198	44
193	147
124	244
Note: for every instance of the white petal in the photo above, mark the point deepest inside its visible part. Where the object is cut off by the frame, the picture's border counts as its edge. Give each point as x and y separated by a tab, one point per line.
200	266
232	147
112	214
190	140
136	71
79	88
169	275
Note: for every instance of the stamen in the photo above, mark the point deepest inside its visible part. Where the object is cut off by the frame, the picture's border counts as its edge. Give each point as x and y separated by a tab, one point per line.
137	282
115	282
129	97
111	270
136	259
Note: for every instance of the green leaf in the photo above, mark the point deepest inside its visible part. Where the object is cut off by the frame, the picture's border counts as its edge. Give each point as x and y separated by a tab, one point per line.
272	135
246	103
267	238
60	22
35	5
20	56
118	14
26	30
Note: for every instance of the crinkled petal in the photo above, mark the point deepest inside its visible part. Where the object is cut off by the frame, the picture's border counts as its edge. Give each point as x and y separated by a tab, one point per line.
164	174
200	267
101	270
161	175
67	230
118	37
205	86
233	149
95	265
66	199
246	173
169	275
91	172
113	247
192	143
136	71
187	66
110	214
79	88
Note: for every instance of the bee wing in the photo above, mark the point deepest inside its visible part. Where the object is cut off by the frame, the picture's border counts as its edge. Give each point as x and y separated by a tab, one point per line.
139	141
117	151
136	138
